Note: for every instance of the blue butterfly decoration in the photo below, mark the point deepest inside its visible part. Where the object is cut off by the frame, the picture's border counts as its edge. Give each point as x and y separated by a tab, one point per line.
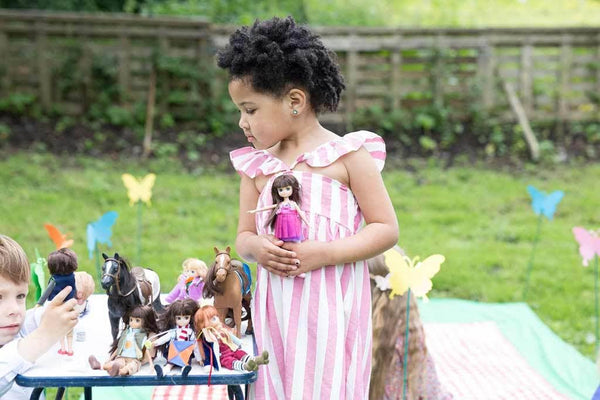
543	203
100	231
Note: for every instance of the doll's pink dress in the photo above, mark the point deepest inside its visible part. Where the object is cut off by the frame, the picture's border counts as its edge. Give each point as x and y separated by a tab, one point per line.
288	225
317	328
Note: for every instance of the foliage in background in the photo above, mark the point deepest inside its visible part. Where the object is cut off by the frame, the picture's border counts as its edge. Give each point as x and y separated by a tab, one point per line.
406	13
480	219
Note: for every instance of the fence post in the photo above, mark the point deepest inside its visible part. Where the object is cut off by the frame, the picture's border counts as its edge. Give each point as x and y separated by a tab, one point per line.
396	74
485	71
351	62
124	66
43	67
526	71
4	62
563	83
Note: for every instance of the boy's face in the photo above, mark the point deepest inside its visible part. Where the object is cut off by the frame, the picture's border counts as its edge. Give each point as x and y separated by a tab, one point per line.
12	308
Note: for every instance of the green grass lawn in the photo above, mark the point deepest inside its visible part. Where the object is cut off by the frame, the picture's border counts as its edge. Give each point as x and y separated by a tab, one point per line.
479	218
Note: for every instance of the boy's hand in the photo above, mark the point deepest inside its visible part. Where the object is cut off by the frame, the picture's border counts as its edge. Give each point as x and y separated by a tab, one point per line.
58	319
60	316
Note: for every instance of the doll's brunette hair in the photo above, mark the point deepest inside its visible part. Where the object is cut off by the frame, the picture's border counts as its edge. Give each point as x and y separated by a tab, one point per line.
279	182
148	317
187	306
62	262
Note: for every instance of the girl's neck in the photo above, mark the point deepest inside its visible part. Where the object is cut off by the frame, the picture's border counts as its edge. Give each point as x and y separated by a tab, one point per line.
303	141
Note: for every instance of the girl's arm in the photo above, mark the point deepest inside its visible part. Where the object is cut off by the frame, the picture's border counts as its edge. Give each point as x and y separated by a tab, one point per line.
381	226
252	247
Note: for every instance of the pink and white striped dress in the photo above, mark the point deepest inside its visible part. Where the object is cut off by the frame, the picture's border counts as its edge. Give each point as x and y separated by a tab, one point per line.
316	328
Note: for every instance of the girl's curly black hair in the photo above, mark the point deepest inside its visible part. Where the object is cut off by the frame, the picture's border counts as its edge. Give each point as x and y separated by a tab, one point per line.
277	54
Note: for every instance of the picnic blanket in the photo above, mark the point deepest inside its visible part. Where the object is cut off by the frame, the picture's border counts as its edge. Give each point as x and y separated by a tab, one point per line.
502	351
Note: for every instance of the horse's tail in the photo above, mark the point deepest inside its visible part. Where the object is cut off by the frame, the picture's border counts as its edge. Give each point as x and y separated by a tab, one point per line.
210	287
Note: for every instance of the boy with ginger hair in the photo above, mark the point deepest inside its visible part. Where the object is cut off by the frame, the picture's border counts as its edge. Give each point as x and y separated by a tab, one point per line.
21	341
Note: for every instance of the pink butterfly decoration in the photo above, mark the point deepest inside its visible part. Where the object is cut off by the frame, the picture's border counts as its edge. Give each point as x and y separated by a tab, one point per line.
589	243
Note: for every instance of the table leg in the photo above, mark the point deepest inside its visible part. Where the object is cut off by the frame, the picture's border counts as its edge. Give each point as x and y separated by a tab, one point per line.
60	392
35	395
87	393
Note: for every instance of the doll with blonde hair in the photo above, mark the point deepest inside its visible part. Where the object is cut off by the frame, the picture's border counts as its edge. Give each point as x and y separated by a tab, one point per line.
191	281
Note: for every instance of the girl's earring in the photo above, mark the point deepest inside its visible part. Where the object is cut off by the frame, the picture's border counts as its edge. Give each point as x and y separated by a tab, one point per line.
295	112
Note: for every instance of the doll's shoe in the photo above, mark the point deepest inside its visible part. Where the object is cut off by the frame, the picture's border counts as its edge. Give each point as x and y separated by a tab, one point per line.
94	363
263	358
251	365
61	352
186	370
69	353
114	370
159	371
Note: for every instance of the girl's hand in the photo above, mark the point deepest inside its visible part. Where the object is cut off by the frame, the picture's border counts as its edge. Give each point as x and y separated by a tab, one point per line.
309	255
273	257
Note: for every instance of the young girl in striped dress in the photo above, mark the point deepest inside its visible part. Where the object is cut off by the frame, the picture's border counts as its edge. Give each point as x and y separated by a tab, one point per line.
312	302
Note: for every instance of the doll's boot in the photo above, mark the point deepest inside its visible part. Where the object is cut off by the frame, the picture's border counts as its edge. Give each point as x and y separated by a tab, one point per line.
159	371
263	358
251	365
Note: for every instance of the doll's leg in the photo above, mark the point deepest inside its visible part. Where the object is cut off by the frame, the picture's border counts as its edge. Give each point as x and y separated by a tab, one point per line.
113	366
130	366
62	346
70	343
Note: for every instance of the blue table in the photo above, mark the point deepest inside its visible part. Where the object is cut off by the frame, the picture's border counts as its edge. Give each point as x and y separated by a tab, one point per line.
92	337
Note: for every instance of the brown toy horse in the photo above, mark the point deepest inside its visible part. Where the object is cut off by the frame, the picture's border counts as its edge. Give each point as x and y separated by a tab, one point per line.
229	281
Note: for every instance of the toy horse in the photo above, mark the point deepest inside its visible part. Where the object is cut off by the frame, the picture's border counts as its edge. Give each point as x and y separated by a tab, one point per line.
128	287
228	281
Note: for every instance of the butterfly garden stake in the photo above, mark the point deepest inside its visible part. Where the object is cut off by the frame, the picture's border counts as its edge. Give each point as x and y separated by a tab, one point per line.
589	249
408	275
100	231
59	239
543	205
139	191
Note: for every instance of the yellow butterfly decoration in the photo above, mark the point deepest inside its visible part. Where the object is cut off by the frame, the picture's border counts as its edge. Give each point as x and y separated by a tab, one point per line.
139	190
405	274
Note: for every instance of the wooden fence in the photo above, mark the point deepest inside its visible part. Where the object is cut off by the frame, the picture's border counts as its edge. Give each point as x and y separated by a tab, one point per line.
555	72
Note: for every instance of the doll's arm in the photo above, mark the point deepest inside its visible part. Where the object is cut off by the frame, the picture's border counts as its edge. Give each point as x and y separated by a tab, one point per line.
47	291
176	292
301	213
266	208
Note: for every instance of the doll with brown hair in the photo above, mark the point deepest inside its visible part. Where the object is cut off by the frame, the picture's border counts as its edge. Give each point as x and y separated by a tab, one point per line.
62	265
191	281
223	343
176	327
128	351
286	216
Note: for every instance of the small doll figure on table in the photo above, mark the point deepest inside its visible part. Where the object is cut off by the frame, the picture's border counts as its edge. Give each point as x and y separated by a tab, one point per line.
62	265
128	352
176	326
221	344
190	283
286	216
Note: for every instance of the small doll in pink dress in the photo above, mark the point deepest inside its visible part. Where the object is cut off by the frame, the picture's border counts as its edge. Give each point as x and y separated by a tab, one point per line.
190	283
286	216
